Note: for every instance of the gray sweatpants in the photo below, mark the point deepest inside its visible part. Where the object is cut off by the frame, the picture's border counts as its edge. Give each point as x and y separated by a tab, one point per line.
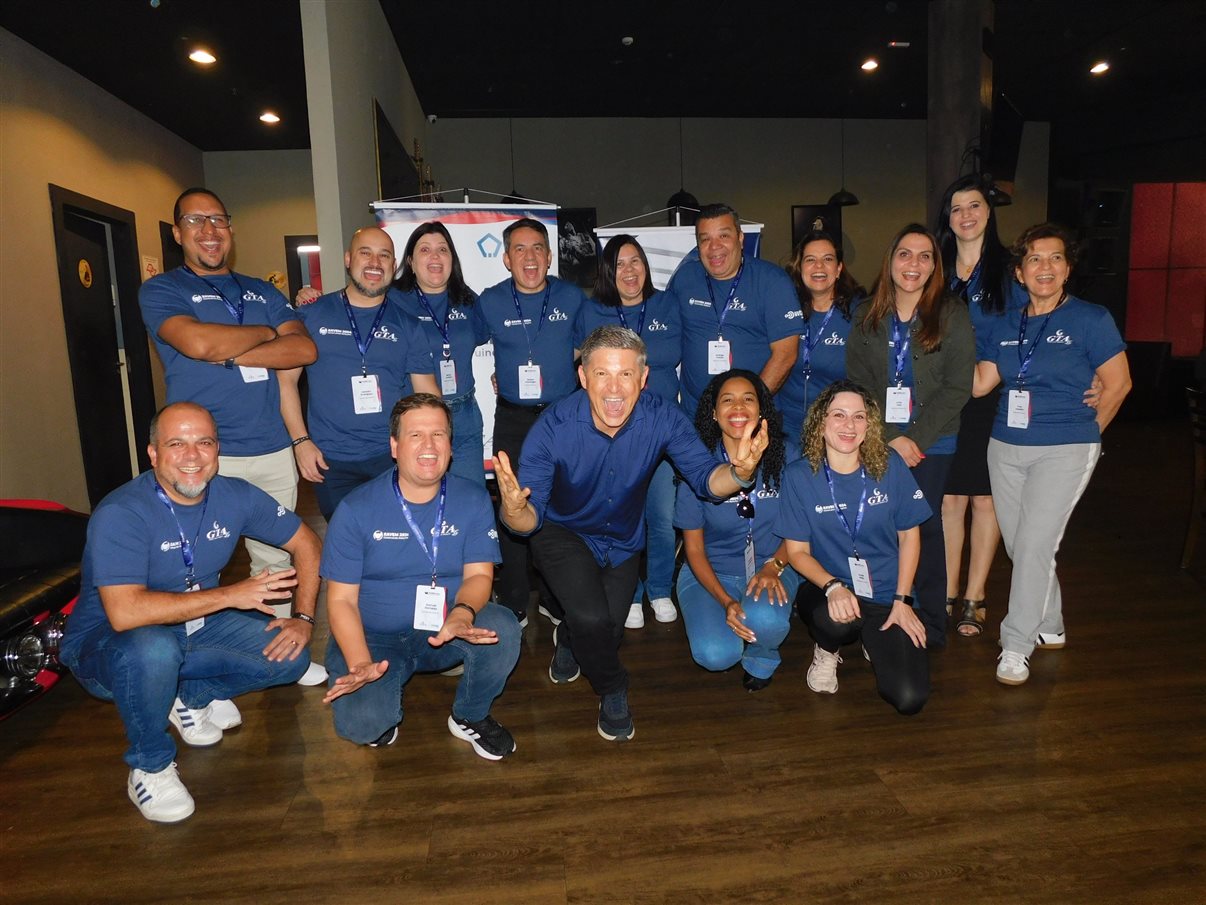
1034	490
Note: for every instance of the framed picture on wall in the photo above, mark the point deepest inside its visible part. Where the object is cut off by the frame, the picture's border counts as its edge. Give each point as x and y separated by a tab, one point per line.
577	255
808	217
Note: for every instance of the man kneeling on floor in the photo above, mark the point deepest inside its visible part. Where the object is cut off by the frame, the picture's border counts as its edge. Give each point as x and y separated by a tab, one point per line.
154	633
404	597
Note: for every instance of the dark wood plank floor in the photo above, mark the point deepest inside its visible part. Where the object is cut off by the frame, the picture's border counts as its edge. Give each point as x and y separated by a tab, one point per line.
1088	784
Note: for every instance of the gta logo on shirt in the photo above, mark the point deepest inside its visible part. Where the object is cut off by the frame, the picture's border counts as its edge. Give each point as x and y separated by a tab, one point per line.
1060	338
249	296
656	326
877	498
446	530
834	339
217	532
384	332
558	315
456	315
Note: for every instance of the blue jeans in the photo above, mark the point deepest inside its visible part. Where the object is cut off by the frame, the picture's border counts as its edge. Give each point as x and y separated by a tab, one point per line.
365	714
342	477
467	448
714	645
659	535
143	670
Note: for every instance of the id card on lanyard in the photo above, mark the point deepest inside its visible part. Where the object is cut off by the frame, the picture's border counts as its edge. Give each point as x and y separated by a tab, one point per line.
430	600
1018	411
530	383
447	365
720	355
860	572
188	551
898	407
366	388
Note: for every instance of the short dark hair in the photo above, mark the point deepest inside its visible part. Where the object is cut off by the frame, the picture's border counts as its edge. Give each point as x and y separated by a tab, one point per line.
417	401
524	223
605	282
195	190
1032	234
713	211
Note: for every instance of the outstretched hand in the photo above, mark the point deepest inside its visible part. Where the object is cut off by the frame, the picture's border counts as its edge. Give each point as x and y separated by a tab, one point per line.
358	675
514	499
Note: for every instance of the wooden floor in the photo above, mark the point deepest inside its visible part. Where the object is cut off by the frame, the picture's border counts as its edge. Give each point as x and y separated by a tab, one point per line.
1088	784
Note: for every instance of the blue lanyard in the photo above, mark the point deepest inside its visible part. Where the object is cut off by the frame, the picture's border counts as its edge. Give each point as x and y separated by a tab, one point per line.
443	328
809	346
901	346
744	496
1024	362
363	344
186	548
418	532
722	313
640	320
862	503
973	291
236	311
548	288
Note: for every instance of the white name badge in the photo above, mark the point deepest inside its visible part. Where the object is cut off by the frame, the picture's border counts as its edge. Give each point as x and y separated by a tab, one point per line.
429	608
719	357
860	576
529	381
448	377
253	375
366	395
749	559
899	405
1018	413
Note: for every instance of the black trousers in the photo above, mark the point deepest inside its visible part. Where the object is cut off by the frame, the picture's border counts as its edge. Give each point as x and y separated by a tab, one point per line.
511	427
595	600
929	585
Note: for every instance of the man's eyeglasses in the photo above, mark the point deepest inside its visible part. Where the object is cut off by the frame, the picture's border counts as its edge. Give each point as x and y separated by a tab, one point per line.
195	221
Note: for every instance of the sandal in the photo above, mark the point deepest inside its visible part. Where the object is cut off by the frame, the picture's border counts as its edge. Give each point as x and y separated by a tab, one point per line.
971	625
950	606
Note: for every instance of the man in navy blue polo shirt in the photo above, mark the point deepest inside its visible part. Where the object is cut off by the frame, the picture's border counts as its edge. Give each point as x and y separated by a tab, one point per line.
737	312
586	466
154	633
530	319
409	562
371	353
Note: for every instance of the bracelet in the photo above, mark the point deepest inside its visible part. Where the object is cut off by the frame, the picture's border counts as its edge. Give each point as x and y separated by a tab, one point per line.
465	606
830	585
744	485
779	564
300	440
305	617
903	598
228	364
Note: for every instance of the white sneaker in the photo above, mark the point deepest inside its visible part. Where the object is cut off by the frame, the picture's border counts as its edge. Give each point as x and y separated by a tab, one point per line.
636	617
822	675
547	614
195	726
1012	668
663	609
224	714
161	796
315	674
1051	640
458	670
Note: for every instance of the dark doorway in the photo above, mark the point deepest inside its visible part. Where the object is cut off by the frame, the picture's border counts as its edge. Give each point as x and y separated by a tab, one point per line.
173	254
99	281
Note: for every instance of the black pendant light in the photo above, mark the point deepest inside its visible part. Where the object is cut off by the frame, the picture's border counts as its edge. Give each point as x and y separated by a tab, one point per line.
843	198
684	206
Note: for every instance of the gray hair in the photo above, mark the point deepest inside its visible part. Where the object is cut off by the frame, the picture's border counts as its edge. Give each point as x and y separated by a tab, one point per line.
611	337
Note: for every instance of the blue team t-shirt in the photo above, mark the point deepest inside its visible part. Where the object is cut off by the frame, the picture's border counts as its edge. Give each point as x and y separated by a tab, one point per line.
465	332
661	329
764	309
134	539
972	291
396	350
518	339
820	361
248	415
369	543
725	531
806	513
1078	339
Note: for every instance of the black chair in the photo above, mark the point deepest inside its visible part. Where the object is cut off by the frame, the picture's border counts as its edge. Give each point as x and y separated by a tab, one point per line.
1197	423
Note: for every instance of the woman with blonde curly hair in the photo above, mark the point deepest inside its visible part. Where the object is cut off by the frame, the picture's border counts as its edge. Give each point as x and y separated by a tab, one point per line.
849	515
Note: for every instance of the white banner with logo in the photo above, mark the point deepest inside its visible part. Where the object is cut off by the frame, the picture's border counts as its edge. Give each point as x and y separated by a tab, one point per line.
667	246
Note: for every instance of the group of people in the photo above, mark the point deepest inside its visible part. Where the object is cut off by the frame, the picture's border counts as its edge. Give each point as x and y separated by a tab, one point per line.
811	442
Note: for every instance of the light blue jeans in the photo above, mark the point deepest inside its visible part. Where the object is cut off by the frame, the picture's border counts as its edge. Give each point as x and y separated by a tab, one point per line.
143	670
714	646
659	535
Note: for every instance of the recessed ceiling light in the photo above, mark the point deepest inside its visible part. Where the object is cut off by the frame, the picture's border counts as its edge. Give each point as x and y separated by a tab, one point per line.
870	65
202	56
269	117
626	40
1099	67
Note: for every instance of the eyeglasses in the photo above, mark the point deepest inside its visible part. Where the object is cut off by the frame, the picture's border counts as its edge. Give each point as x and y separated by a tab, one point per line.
195	221
745	507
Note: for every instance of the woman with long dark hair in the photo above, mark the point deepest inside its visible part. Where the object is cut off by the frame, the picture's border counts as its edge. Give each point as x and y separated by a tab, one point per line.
624	296
735	590
912	347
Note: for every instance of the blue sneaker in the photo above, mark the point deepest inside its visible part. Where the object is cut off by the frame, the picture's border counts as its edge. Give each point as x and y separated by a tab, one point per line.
615	720
564	668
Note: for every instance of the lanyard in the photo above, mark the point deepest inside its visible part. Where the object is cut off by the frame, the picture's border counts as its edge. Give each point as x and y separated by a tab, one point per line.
418	532
723	312
1024	362
236	311
901	346
744	504
809	346
972	291
442	327
363	344
548	288
640	320
862	503
186	548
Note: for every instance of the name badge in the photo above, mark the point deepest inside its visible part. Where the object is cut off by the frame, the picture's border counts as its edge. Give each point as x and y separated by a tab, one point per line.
720	359
529	381
749	559
429	608
366	395
899	405
860	576
1018	413
253	375
448	377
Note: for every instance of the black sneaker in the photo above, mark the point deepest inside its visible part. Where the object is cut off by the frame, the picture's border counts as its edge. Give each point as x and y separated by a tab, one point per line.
521	616
615	720
488	738
386	738
564	668
753	683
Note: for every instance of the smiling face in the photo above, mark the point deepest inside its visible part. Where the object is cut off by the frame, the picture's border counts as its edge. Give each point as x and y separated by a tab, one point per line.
370	262
736	407
969	215
845	424
431	262
820	268
423	449
528	258
184	453
912	264
630	275
1044	270
719	242
206	247
613	380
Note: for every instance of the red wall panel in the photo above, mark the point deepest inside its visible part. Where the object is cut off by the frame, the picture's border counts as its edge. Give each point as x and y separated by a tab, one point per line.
1147	293
1188	247
1186	317
1151	224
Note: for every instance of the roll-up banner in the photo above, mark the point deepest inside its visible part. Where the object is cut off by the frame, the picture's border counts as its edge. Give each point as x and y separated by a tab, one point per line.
667	246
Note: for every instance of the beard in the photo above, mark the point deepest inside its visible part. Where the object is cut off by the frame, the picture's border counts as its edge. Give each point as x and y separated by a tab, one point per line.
190	491
366	291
